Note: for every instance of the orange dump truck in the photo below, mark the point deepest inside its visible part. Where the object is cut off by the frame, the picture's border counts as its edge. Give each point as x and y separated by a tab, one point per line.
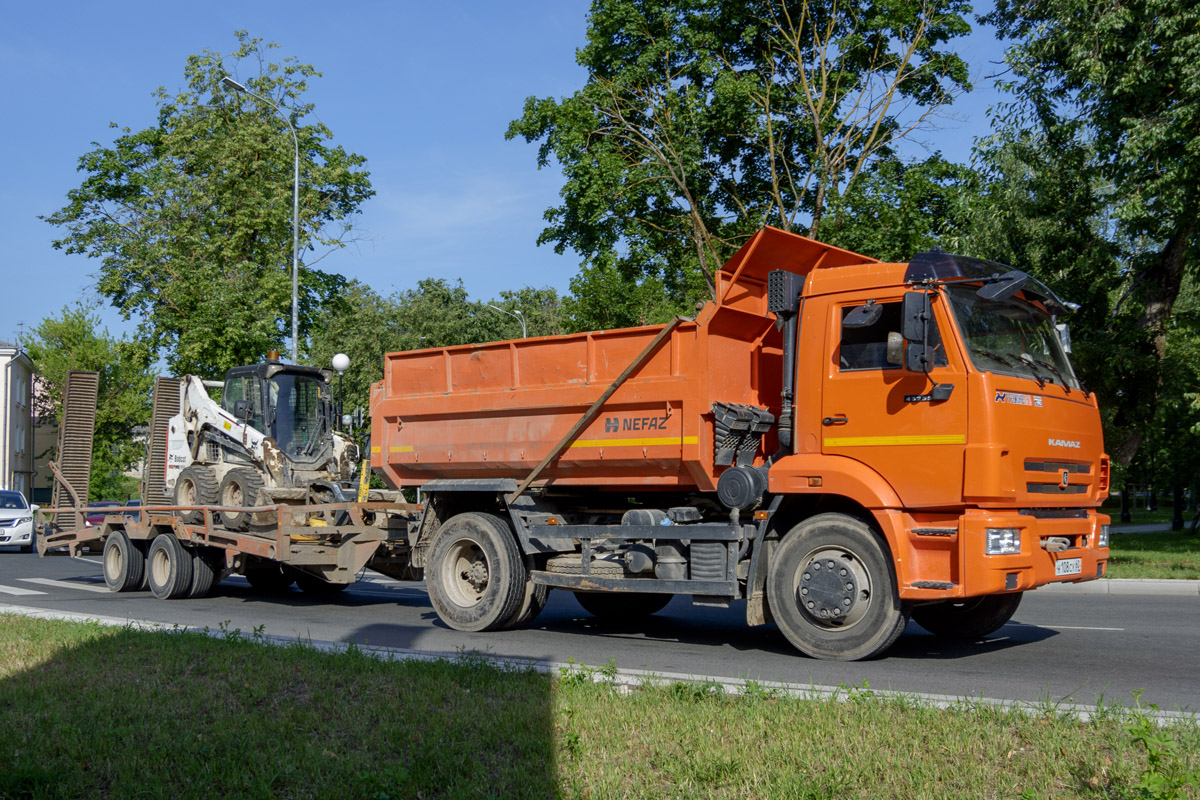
845	444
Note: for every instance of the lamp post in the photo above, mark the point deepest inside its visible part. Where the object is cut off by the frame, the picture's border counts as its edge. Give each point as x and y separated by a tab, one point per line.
517	313
232	84
341	362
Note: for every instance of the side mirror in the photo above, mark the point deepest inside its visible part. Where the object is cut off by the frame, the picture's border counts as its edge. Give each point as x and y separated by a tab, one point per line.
1064	335
863	316
915	313
895	349
35	508
241	409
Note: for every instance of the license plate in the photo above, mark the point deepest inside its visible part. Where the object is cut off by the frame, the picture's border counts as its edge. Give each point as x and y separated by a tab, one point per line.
1068	566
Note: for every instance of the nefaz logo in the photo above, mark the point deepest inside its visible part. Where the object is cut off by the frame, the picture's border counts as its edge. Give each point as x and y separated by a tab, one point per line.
1017	399
1063	443
615	424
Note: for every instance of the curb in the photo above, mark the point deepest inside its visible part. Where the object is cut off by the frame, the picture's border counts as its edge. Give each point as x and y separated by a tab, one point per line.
626	680
1162	587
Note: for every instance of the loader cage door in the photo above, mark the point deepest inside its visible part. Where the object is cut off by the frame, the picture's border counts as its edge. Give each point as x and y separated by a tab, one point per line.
300	414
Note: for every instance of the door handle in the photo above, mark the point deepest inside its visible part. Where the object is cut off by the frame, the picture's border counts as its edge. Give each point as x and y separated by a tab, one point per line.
840	419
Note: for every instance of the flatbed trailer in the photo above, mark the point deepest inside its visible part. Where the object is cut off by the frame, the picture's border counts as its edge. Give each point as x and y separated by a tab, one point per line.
320	547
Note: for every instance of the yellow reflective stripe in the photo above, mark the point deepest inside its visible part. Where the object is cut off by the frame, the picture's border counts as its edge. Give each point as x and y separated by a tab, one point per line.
407	448
376	449
879	441
668	440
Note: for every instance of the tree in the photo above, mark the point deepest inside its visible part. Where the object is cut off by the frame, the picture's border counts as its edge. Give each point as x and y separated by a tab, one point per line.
1117	82
192	218
702	120
74	340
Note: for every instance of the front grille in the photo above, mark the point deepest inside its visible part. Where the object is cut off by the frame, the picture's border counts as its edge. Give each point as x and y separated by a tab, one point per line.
1058	466
1055	488
1054	513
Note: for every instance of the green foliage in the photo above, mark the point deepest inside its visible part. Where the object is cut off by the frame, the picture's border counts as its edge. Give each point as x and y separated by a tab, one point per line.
74	340
1166	776
192	218
701	121
1110	91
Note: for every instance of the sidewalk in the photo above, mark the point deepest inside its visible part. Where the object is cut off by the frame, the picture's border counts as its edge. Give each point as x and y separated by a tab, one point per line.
1147	527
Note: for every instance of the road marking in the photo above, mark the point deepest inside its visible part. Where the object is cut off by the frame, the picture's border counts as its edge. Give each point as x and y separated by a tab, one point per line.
17	590
1063	627
87	587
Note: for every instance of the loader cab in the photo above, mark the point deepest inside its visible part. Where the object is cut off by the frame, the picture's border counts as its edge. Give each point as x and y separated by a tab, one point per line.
288	403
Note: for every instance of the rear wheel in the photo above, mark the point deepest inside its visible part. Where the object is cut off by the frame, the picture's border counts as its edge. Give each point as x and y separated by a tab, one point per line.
622	606
536	596
239	488
124	563
833	591
476	577
205	571
170	568
967	619
195	486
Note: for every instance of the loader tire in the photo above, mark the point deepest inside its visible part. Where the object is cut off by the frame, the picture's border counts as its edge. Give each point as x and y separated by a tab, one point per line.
967	619
833	591
124	563
239	488
195	486
170	567
475	575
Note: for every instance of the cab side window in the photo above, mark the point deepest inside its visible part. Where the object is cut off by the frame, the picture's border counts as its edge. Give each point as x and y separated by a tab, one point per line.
865	347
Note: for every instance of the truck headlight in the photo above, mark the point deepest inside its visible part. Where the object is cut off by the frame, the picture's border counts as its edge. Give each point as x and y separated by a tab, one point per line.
1003	541
1103	536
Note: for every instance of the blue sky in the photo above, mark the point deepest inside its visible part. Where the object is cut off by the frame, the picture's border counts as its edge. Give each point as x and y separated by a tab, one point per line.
423	90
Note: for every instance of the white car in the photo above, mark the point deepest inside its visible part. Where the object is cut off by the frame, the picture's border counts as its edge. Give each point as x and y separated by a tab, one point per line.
16	521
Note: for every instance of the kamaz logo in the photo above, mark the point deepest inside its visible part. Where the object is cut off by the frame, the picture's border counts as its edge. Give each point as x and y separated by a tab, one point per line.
1063	443
611	425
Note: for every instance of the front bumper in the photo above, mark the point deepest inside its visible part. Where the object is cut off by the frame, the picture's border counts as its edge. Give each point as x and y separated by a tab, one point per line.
947	558
20	535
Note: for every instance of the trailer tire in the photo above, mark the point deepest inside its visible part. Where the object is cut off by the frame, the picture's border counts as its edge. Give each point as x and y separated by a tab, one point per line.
239	487
124	563
622	606
832	589
315	585
169	567
270	578
967	619
203	573
195	486
475	576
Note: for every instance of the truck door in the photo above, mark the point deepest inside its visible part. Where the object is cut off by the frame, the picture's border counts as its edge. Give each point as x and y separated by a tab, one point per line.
882	414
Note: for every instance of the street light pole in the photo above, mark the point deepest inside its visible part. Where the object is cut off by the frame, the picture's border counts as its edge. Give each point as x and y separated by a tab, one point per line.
341	362
231	83
517	313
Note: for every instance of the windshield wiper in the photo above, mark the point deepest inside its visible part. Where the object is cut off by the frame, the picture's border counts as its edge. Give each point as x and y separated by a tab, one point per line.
1037	376
1003	359
1055	370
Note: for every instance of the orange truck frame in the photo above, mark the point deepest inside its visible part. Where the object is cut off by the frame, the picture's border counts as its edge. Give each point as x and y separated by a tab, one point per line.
844	444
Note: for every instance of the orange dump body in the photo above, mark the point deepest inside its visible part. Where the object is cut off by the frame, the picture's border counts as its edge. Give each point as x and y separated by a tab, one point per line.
496	410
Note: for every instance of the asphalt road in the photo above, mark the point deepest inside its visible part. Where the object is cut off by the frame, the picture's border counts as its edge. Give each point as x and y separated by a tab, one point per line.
1062	645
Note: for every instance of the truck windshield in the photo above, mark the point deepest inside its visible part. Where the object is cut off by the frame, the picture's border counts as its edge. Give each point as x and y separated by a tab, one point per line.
300	414
1010	337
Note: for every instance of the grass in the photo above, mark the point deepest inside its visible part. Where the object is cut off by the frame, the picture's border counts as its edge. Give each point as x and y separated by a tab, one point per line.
1154	555
92	711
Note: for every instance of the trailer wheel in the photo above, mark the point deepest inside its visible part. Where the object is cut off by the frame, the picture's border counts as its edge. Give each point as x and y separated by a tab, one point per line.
314	585
195	486
124	563
204	573
239	488
967	619
476	578
833	591
170	567
269	578
622	606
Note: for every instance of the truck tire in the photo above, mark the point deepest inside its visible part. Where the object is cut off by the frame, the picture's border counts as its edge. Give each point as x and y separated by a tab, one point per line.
239	488
124	563
622	606
832	589
967	619
170	567
314	585
204	573
475	575
536	596
269	578
195	486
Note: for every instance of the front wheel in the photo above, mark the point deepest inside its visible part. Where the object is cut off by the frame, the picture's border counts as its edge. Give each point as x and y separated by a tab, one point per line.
832	589
967	619
476	578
